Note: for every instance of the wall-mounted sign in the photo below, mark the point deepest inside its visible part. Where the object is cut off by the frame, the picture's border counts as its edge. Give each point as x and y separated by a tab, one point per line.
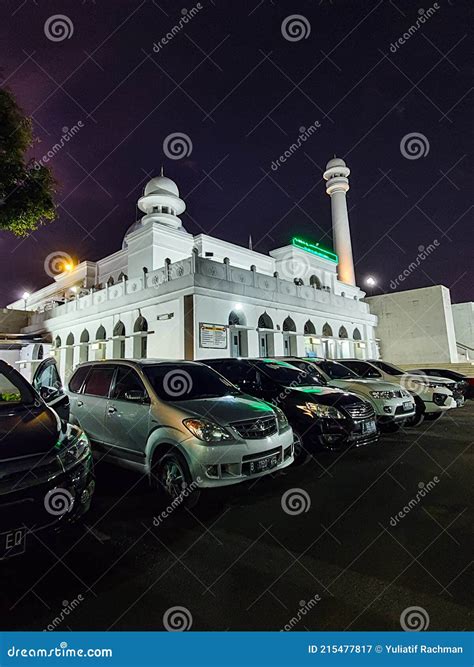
315	249
213	336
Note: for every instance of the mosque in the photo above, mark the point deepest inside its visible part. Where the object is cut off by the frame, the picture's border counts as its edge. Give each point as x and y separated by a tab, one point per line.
169	294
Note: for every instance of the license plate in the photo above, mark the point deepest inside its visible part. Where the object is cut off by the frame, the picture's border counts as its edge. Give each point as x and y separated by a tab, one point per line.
264	464
369	427
12	543
407	406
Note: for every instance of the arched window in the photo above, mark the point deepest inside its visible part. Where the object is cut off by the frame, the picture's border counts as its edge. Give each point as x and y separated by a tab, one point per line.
119	329
356	335
85	336
265	321
343	332
100	335
84	347
140	342
315	282
122	276
57	342
38	351
140	324
288	324
237	319
327	331
70	339
110	281
309	328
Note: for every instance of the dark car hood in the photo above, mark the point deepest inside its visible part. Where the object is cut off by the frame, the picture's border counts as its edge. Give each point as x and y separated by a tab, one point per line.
324	395
226	409
27	431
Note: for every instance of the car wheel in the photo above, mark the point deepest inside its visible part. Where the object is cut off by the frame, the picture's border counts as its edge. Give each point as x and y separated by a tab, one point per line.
416	420
301	454
172	478
432	416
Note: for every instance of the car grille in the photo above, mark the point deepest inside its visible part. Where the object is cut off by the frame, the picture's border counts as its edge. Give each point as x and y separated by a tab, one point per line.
360	410
255	429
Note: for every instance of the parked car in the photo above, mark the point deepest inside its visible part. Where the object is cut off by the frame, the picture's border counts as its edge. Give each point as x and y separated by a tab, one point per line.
392	404
319	415
180	423
464	383
46	470
432	397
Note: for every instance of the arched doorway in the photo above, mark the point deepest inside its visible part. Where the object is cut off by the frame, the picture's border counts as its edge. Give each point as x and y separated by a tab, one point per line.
358	345
238	335
266	343
140	342
69	357
344	344
119	340
312	345
328	342
99	344
84	347
289	337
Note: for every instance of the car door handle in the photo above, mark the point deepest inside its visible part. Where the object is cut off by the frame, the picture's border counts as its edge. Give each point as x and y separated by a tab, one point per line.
79	404
111	410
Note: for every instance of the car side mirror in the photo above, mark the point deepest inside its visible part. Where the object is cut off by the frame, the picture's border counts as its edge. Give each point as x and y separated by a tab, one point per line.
136	395
47	393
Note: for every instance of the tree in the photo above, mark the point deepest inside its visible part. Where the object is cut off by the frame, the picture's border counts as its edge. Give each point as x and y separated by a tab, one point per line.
26	186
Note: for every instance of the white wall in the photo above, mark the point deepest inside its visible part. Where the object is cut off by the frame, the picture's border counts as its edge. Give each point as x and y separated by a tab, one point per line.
463	315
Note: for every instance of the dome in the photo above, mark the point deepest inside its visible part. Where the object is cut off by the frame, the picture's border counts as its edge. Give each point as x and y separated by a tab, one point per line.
161	184
335	162
132	228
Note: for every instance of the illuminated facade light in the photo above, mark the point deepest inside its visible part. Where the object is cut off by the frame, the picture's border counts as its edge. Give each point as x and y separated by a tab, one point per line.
315	249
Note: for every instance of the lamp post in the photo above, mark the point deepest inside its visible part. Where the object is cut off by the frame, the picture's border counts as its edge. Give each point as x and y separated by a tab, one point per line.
25	297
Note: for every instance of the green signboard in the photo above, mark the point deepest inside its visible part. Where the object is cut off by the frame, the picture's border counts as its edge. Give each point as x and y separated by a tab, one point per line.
315	249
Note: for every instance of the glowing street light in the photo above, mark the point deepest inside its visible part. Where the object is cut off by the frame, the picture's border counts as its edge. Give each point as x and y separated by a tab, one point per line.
370	281
25	297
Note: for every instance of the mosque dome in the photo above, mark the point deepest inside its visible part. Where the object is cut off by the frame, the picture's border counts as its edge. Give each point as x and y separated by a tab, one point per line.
335	162
161	185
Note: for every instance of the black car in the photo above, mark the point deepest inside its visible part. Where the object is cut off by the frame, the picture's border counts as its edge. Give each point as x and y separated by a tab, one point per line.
464	384
320	416
46	470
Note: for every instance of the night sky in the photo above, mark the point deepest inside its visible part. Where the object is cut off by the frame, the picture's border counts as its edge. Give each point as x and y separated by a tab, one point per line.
241	88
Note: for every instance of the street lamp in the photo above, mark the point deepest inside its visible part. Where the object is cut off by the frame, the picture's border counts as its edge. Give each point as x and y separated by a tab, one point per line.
25	297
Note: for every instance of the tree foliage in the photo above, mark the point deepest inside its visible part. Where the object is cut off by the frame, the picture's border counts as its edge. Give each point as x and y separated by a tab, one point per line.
26	187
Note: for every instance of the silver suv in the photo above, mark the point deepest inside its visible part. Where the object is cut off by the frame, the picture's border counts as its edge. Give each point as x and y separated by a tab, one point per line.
181	423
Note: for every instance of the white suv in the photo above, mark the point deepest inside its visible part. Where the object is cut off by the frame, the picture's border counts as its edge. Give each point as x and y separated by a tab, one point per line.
433	396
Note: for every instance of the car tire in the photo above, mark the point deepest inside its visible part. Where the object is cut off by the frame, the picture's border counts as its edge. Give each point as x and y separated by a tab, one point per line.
419	415
300	453
171	477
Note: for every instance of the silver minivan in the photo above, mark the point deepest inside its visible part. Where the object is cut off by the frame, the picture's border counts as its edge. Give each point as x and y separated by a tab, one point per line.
181	423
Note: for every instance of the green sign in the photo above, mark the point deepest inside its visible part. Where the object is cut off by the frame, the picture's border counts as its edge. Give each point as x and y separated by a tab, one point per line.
315	249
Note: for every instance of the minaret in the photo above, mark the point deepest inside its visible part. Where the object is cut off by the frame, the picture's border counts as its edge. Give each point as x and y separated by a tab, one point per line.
337	185
161	202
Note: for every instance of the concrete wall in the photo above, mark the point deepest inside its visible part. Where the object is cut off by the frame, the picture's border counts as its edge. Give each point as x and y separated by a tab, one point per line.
463	315
415	326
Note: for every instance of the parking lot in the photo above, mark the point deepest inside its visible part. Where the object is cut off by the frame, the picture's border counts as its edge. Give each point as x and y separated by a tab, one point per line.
358	538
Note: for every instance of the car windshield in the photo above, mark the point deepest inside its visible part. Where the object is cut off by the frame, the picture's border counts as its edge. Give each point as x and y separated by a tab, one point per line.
388	368
175	382
336	371
14	390
283	373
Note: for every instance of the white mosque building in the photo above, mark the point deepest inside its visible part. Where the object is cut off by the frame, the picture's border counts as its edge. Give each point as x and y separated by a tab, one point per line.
169	294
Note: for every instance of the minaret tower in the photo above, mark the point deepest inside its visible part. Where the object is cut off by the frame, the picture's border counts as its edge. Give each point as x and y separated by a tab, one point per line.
161	202
337	185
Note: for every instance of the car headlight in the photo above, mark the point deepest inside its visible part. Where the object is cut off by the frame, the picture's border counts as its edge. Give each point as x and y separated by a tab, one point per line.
425	383
281	418
324	411
206	431
73	449
382	394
